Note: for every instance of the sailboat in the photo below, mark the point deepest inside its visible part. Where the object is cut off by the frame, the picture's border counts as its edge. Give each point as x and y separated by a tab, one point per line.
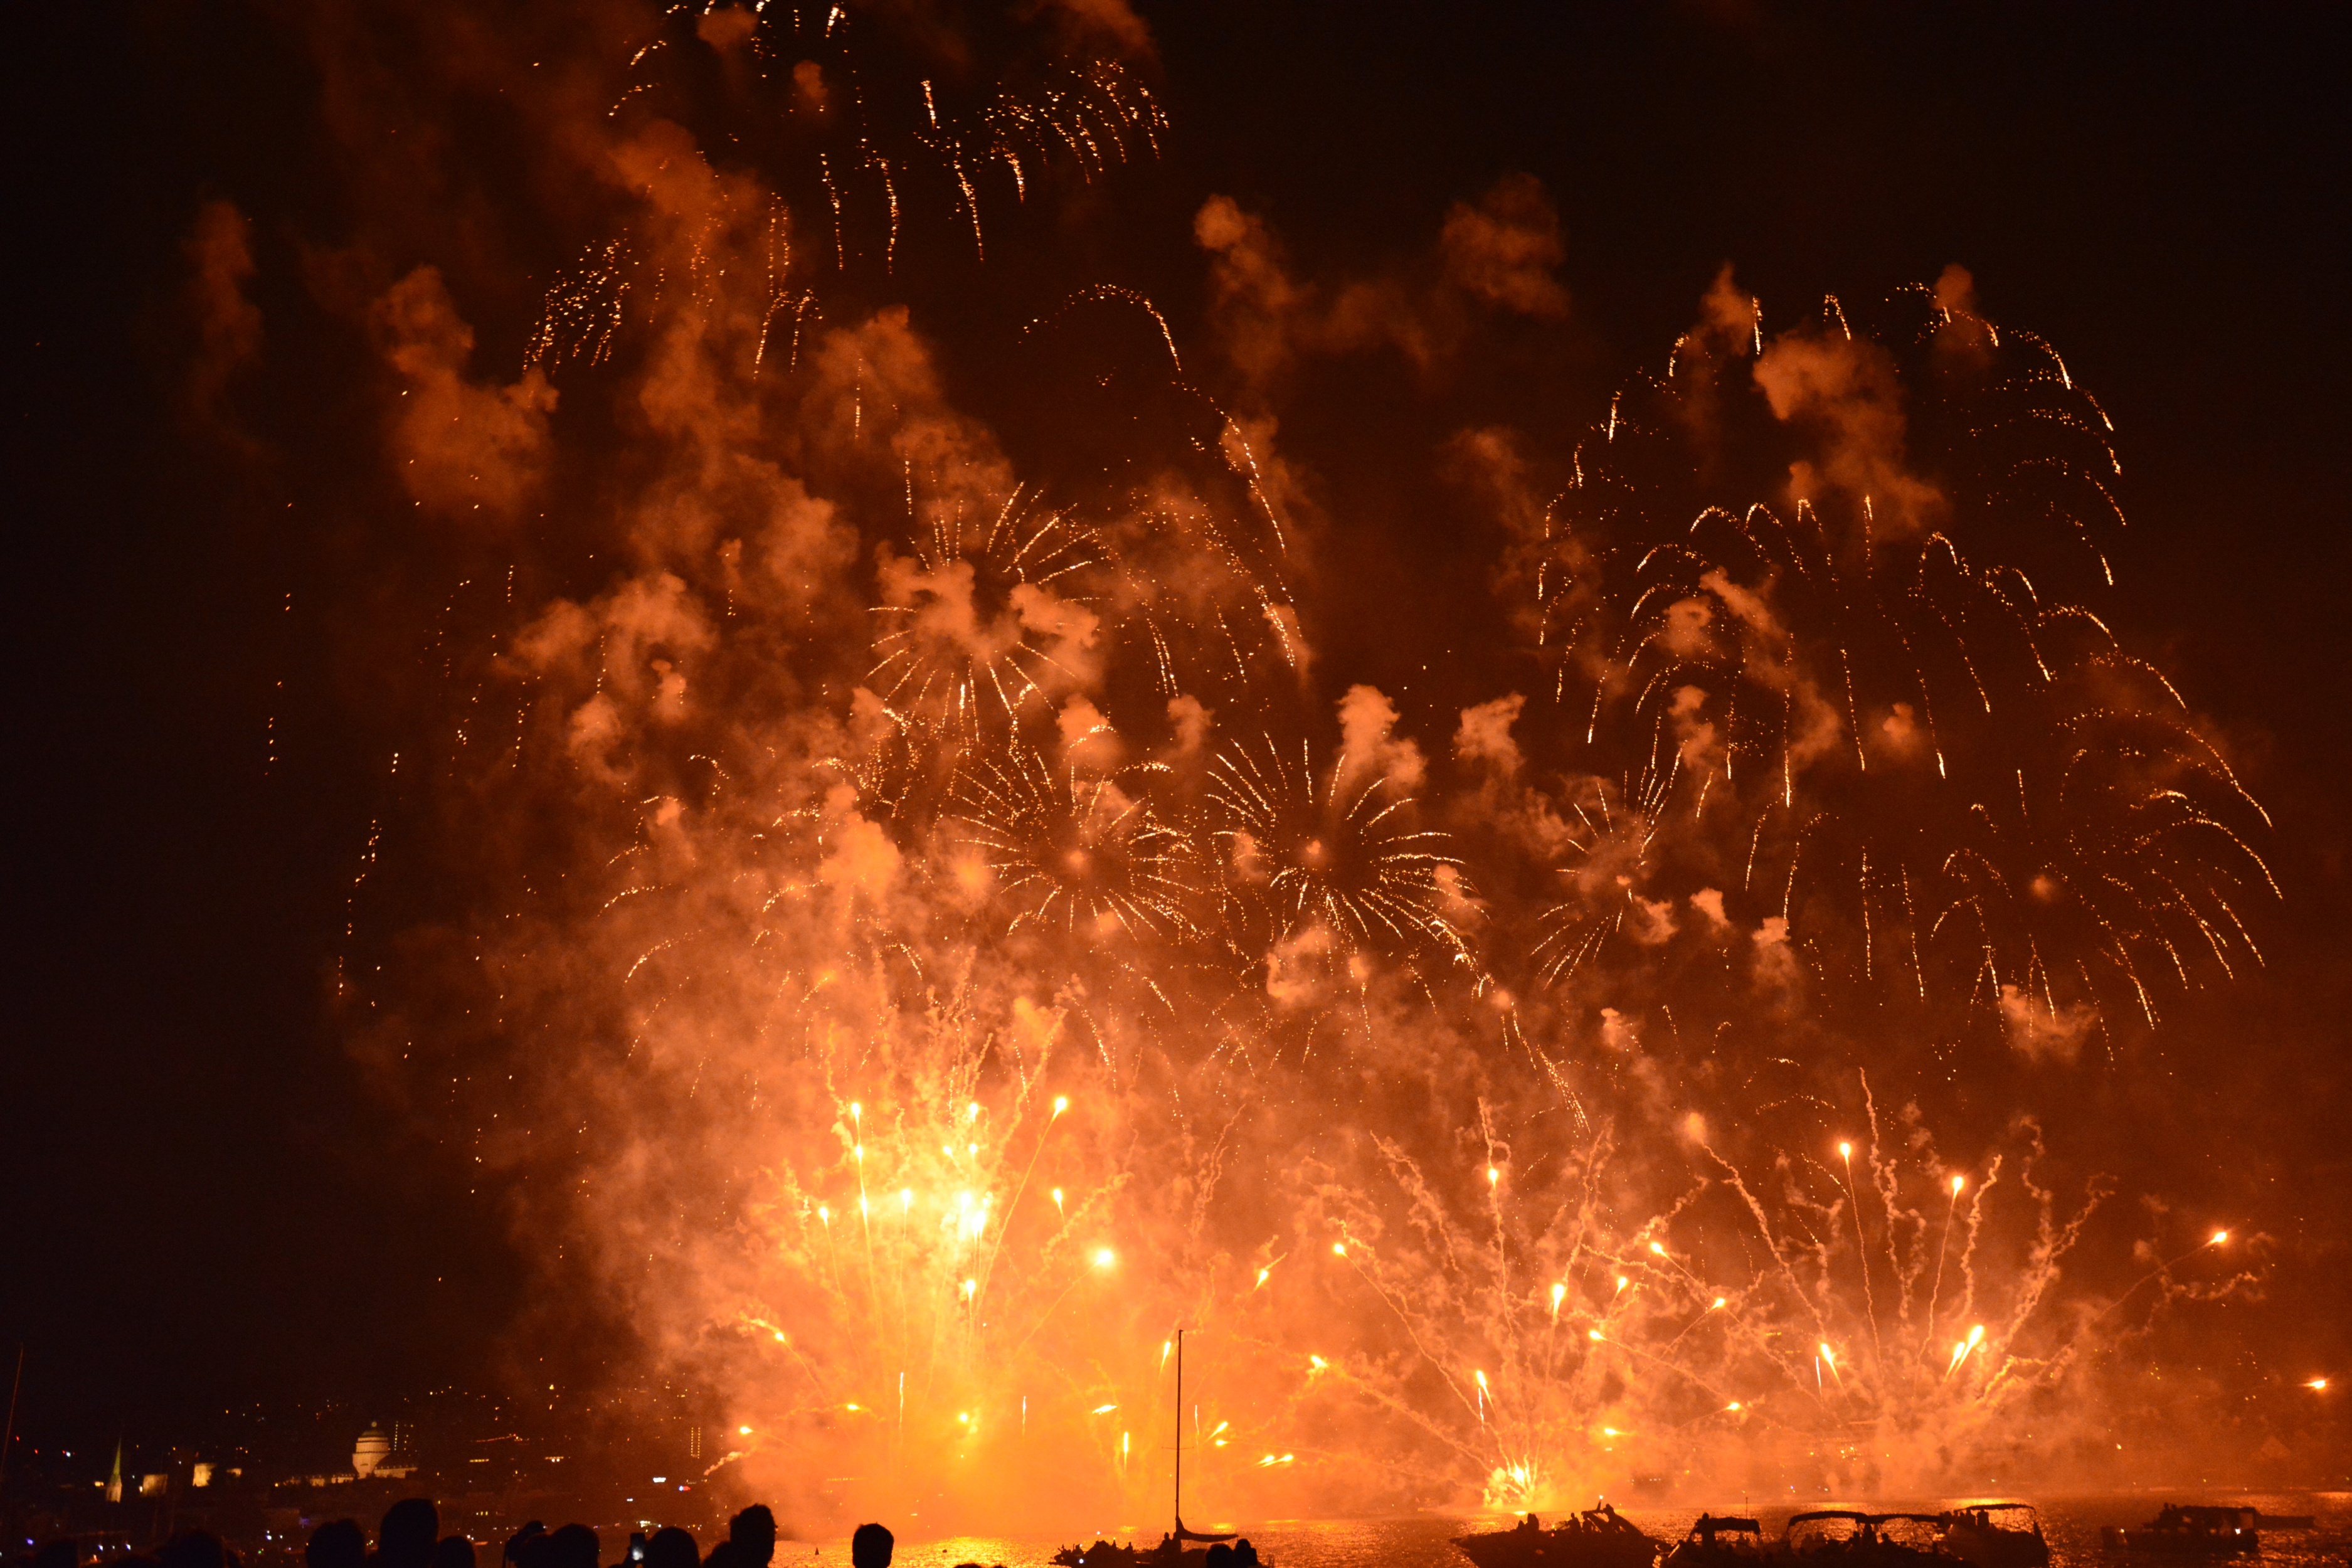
1171	1552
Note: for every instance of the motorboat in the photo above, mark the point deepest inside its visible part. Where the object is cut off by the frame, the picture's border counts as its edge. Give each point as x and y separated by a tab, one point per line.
1849	1538
1995	1535
2190	1530
1719	1540
1597	1538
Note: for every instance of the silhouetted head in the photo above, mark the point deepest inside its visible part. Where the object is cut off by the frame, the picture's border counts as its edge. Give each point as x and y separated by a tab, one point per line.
672	1547
753	1533
64	1553
193	1548
1220	1555
337	1546
870	1547
411	1529
574	1546
455	1551
521	1539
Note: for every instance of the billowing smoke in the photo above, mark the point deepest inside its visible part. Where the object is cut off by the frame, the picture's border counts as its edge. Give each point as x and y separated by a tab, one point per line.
920	923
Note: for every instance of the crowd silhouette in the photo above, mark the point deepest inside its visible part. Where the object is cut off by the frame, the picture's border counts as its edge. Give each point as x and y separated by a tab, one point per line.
409	1536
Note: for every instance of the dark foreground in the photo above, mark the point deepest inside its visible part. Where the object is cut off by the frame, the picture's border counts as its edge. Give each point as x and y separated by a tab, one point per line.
1418	1541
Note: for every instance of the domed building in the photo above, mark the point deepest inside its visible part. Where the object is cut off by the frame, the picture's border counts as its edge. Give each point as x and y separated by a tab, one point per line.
372	1449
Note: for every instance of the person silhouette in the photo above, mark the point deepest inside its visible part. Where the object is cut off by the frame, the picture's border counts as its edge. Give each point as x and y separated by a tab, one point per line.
871	1547
520	1539
1244	1554
194	1549
455	1551
574	1546
1220	1555
411	1529
752	1534
671	1547
337	1544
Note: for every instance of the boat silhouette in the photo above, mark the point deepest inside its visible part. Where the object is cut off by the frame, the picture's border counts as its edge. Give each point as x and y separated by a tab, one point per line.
1171	1552
1599	1537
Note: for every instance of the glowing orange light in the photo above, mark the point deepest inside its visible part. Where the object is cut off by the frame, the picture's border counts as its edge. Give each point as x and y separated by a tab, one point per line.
2317	1384
2218	1237
1105	1258
1958	1182
1340	1249
1845	1150
1061	1103
1262	1275
1492	1175
1103	1409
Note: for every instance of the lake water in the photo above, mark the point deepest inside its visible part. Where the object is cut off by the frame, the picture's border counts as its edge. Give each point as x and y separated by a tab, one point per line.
1424	1540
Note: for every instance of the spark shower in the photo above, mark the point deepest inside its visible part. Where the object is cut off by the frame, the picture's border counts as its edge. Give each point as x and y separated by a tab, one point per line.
916	930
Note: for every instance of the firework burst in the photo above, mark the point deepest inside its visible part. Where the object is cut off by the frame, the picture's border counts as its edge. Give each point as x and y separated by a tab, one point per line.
1877	706
1330	861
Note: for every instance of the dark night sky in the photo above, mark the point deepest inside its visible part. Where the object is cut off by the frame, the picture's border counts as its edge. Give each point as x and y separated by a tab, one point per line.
199	1200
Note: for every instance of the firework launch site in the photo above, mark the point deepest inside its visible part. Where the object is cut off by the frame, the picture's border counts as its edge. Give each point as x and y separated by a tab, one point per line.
1030	769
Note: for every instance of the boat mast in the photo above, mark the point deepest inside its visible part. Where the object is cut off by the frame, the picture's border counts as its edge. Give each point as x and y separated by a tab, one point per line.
1179	1444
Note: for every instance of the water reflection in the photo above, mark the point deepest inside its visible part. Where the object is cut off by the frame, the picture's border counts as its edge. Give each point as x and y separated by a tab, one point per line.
1425	1541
